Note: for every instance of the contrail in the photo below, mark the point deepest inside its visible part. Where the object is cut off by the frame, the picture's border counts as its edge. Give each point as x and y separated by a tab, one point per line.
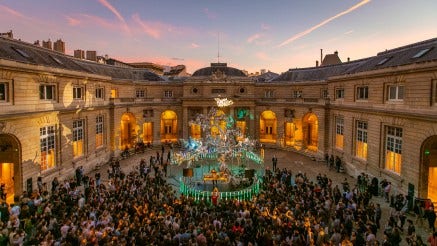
301	34
115	12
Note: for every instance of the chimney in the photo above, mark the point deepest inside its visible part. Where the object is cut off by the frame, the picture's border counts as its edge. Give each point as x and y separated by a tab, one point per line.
336	53
321	56
317	63
348	59
36	43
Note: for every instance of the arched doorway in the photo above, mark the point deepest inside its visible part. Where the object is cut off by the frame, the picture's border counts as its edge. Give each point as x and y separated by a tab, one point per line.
169	123
289	133
310	129
268	127
128	134
428	169
10	175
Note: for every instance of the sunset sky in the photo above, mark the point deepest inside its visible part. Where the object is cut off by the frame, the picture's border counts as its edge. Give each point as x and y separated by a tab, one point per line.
254	34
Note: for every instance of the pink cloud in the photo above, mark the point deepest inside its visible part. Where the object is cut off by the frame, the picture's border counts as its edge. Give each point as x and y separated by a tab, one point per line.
194	45
209	14
92	19
191	64
115	12
72	21
253	37
262	56
264	27
11	11
150	29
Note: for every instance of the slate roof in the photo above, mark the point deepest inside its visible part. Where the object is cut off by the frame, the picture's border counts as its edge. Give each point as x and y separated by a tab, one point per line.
222	67
401	56
18	51
265	77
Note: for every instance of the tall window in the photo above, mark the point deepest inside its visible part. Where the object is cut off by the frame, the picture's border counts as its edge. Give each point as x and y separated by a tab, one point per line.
4	97
78	138
47	138
99	131
78	93
362	93
140	94
100	93
325	94
361	140
393	149
297	94
395	93
339	93
47	92
339	132
114	93
168	94
268	94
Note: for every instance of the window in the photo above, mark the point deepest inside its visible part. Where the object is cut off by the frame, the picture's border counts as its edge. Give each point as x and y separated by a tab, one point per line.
297	94
47	138
361	140
4	93
147	113
421	53
325	93
218	91
384	60
393	149
168	94
395	93
268	94
114	93
362	93
140	93
78	93
100	93
99	131
339	93
47	92
339	132
78	138
21	52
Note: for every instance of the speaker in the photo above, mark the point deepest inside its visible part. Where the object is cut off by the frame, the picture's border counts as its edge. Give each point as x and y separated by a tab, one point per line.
188	172
249	173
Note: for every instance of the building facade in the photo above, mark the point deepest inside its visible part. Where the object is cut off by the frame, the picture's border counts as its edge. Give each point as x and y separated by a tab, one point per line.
378	114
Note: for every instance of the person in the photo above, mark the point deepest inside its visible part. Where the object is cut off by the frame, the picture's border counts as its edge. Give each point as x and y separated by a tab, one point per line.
432	239
214	196
430	216
275	162
55	184
337	163
39	184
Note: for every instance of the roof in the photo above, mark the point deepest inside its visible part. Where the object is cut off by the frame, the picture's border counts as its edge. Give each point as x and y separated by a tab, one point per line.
265	77
19	51
331	59
219	68
424	51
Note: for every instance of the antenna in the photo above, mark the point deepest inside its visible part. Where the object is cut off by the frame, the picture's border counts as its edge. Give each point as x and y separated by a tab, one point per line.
218	47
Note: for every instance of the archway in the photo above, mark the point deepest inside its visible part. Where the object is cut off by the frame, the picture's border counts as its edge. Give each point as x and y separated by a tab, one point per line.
268	127
310	129
148	132
428	169
169	123
128	134
10	173
289	133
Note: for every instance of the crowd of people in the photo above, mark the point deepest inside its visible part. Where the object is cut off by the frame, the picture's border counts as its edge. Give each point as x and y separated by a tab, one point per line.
142	208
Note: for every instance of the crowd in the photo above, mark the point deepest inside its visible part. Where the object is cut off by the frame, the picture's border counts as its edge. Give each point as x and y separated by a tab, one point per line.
142	208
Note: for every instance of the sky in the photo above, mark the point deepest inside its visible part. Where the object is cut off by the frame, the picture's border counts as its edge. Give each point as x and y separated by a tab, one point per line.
275	35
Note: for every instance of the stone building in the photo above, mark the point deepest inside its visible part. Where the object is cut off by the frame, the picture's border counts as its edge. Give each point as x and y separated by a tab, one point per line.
378	114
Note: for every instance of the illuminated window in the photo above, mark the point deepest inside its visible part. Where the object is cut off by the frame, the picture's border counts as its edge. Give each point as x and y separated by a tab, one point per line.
362	93
297	94
100	93
78	138
78	93
361	140
168	94
339	132
393	149
99	131
4	93
47	137
395	93
339	93
47	92
140	93
114	93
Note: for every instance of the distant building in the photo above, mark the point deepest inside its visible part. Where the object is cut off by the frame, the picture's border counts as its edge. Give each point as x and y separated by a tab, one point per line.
153	67
37	43
331	59
79	54
59	46
47	44
91	55
177	71
7	35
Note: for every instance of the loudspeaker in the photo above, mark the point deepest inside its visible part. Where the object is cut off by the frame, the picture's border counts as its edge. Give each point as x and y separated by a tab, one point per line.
188	172
249	173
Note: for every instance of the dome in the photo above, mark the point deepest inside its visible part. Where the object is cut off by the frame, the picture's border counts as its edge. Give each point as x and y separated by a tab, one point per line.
219	68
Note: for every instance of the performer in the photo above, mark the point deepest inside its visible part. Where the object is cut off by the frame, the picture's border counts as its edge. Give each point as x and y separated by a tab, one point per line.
215	196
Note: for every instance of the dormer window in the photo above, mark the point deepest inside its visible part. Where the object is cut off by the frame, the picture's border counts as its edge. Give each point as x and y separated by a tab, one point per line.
421	53
384	60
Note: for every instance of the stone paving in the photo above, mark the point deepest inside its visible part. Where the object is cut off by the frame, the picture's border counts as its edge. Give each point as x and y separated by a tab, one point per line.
286	159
